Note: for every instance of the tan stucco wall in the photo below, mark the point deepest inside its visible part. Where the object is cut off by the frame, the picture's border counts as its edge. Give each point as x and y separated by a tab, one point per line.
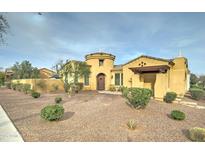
175	79
48	82
149	80
93	61
135	78
178	76
161	85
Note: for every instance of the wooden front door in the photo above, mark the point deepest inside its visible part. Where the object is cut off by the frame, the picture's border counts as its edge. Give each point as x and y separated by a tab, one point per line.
101	82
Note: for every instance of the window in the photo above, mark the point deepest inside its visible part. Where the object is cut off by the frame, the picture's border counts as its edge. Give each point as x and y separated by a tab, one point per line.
117	79
101	61
121	79
86	80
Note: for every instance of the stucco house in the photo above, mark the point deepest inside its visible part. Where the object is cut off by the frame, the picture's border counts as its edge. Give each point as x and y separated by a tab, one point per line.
8	74
46	73
158	74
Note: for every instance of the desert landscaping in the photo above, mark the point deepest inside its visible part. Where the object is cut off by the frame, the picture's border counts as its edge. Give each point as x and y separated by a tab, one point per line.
91	116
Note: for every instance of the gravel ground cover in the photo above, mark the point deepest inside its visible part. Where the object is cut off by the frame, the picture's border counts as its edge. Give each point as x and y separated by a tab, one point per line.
90	116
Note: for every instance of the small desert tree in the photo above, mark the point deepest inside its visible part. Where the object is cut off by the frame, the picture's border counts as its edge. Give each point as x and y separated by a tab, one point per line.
74	70
57	67
24	70
35	74
193	79
202	80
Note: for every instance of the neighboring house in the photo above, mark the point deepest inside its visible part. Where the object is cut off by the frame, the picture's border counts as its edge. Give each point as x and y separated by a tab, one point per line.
8	74
158	74
46	73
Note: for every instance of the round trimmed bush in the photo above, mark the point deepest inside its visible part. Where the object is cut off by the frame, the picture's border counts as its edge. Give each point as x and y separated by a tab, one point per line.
177	115
58	99
197	134
196	93
35	94
137	97
170	97
52	112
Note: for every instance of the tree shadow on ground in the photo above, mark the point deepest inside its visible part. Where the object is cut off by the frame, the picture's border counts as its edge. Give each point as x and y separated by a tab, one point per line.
67	115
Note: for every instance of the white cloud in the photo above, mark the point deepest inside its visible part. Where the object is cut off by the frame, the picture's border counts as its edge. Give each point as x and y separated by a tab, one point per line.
46	38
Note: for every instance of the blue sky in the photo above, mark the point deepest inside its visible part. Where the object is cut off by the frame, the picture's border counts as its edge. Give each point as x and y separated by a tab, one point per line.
45	39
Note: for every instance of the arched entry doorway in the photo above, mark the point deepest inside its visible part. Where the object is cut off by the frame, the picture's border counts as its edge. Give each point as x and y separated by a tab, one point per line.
101	81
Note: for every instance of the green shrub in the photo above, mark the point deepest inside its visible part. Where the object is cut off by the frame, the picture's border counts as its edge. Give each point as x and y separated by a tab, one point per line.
52	112
58	99
194	86
197	94
201	85
2	78
35	94
197	134
125	91
137	97
13	86
26	88
132	124
112	88
177	115
170	97
8	85
19	86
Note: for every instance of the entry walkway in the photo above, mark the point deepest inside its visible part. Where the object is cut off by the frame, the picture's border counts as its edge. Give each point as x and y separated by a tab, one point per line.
8	133
110	92
189	104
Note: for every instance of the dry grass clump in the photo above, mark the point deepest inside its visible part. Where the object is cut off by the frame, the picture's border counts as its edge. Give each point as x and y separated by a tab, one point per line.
132	124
